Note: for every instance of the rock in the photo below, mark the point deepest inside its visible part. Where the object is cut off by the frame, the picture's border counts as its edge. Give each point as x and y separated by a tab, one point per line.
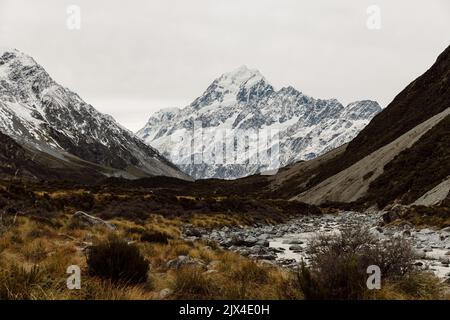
427	249
164	293
287	262
243	252
182	261
296	241
86	220
277	250
406	225
191	231
264	243
292	241
296	248
250	241
235	240
406	233
426	231
421	254
268	262
258	250
447	229
263	236
263	256
444	260
390	216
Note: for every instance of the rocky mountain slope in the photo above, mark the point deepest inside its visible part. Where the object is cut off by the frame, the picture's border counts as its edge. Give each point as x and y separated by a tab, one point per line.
400	156
39	114
289	126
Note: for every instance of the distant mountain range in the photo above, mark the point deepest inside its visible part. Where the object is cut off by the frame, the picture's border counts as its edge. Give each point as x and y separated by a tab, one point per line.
64	136
298	127
401	156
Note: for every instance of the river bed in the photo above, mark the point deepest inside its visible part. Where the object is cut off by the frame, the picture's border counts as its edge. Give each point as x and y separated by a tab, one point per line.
285	244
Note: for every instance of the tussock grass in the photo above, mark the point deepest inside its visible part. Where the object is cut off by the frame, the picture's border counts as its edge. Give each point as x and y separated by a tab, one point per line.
35	254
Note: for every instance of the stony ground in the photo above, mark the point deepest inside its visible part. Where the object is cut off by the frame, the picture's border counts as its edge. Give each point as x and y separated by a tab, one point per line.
285	244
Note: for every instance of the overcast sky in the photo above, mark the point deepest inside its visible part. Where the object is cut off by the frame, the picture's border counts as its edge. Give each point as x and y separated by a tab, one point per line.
131	58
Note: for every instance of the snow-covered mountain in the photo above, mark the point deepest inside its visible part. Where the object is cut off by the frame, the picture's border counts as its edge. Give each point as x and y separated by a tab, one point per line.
243	107
45	117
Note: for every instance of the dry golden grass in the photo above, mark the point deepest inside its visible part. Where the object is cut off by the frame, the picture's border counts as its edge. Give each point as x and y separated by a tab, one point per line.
35	254
34	258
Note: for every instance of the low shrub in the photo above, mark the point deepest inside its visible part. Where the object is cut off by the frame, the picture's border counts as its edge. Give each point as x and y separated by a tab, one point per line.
338	268
118	261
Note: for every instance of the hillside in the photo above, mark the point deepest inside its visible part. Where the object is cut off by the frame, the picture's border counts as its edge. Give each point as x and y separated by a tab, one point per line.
401	154
40	114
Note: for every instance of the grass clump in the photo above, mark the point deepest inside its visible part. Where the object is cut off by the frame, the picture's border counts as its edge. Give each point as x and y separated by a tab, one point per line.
118	261
153	236
192	284
18	283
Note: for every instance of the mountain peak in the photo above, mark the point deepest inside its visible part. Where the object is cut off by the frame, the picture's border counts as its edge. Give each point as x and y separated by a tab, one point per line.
243	71
240	76
242	102
9	55
241	84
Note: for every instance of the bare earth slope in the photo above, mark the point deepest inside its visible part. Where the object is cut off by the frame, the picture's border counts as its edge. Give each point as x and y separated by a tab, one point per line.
425	97
410	136
353	183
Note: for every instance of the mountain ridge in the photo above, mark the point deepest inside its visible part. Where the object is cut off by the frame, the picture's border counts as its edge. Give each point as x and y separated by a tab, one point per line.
242	101
38	112
421	110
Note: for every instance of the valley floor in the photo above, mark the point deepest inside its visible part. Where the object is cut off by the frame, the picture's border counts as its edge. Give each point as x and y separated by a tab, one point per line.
214	247
286	244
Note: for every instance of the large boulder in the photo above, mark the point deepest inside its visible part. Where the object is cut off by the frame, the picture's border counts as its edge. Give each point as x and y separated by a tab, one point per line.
191	231
83	219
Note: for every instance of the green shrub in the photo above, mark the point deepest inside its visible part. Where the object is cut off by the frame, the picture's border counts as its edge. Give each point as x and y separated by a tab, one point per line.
118	261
